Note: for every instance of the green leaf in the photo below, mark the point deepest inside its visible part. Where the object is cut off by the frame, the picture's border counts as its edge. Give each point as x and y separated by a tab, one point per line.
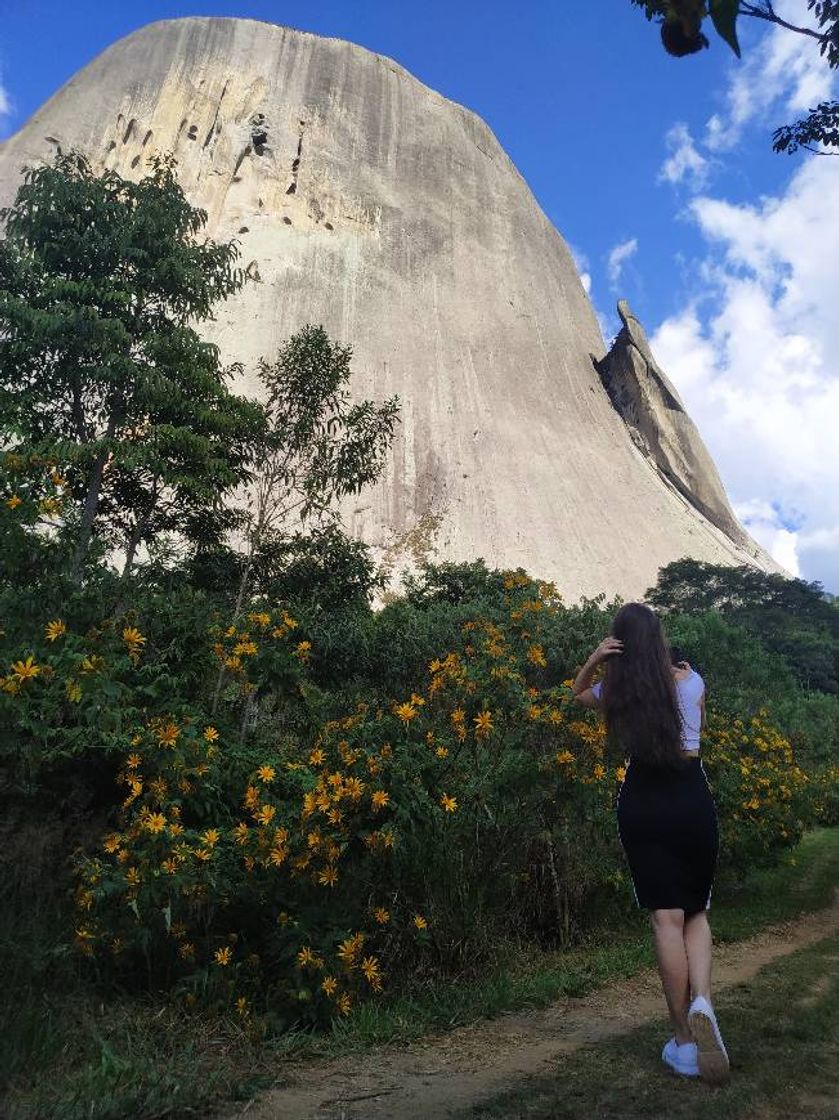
724	17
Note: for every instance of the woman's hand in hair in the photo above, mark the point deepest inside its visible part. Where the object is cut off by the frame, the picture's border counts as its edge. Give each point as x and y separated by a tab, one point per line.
582	685
607	648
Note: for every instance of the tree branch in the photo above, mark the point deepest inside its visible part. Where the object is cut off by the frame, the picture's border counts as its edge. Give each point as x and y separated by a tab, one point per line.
769	14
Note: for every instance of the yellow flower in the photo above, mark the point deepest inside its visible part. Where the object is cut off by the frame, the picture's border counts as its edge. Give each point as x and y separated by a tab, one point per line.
154	822
54	630
381	915
442	752
132	876
317	757
245	649
620	773
49	506
483	723
170	866
405	712
599	771
343	1003
204	854
210	734
241	1006
83	940
536	655
370	968
112	843
133	638
210	837
349	949
564	757
354	787
329	985
290	622
159	788
266	773
168	734
458	716
303	650
420	922
266	814
328	877
14	501
25	670
305	956
133	761
259	618
241	833
73	691
278	856
448	803
223	956
380	798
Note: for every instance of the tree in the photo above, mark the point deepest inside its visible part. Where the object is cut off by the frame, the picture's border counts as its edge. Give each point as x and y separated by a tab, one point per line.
103	283
318	446
791	617
682	33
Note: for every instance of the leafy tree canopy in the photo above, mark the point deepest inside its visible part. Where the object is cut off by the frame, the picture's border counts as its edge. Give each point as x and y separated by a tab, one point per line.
683	24
791	617
103	282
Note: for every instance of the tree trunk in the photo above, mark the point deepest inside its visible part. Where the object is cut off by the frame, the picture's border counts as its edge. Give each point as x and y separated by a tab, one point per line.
91	507
133	542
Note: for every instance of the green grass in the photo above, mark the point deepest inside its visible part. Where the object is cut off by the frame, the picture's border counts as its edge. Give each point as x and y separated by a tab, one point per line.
782	1034
69	1055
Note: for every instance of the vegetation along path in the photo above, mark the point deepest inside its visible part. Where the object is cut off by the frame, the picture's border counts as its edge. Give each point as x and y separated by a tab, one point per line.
450	1074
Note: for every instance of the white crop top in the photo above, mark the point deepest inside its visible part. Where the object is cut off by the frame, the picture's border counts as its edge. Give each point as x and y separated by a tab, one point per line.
689	693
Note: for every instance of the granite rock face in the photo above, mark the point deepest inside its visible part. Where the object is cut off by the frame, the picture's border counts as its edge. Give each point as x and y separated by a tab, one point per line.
660	427
367	202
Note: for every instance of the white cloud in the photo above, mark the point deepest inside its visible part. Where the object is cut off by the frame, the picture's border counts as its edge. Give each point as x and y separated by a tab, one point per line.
783	72
5	103
618	257
765	522
755	360
684	161
583	268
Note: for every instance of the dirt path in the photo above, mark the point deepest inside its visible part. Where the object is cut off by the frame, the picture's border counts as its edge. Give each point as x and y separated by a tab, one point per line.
441	1074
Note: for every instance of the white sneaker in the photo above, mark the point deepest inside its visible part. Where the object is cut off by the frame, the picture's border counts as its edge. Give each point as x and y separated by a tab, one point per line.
681	1058
711	1053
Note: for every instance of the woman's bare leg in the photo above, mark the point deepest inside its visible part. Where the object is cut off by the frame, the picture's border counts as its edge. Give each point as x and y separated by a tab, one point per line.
698	945
670	951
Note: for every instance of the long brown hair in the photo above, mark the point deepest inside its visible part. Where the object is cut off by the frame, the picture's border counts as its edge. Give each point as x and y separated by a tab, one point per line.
639	693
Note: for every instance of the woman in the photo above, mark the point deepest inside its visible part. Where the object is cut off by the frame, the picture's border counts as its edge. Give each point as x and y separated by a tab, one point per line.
667	821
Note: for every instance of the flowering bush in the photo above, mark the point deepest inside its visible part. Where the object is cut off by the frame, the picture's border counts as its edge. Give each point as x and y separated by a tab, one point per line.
762	795
403	836
251	860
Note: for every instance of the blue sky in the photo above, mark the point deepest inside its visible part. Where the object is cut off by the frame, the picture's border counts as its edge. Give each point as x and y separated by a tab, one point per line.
707	246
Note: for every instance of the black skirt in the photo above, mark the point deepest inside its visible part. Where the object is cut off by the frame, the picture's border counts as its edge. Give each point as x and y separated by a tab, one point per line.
667	824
